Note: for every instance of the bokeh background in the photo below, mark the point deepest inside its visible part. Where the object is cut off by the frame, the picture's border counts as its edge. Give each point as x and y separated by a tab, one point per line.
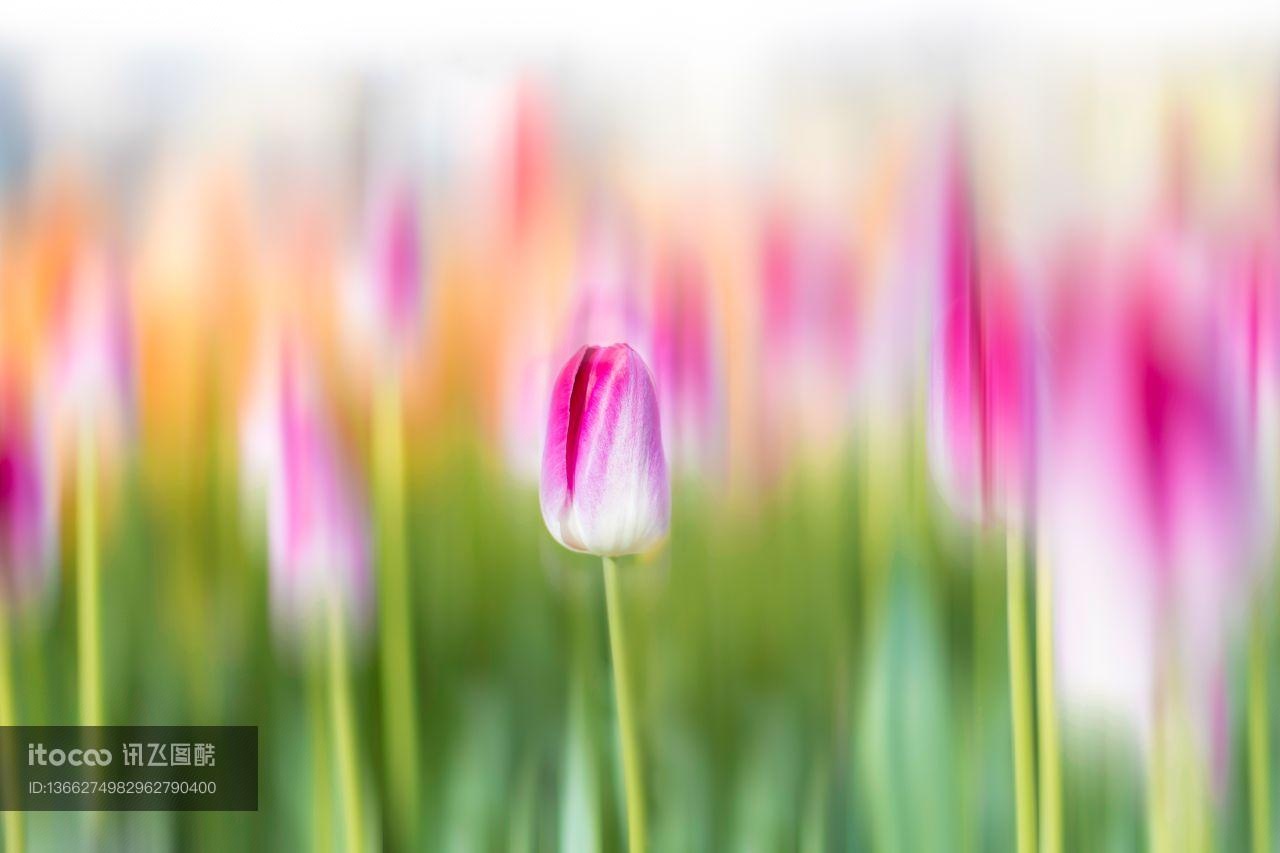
837	264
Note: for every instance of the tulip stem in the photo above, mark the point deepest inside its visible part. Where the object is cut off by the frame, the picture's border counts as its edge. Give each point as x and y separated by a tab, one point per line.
343	726
400	741
1157	774
1046	704
322	781
1020	694
631	772
12	819
1259	740
88	631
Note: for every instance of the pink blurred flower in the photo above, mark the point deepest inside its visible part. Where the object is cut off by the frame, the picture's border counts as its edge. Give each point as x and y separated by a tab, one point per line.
1248	272
606	306
92	360
526	383
604	486
529	159
684	364
386	292
1147	496
28	498
981	389
317	530
809	336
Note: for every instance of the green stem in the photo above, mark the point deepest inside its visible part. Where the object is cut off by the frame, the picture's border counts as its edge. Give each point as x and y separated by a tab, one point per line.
13	838
1259	740
399	700
631	771
973	837
344	727
1050	749
1157	835
322	841
88	632
1020	695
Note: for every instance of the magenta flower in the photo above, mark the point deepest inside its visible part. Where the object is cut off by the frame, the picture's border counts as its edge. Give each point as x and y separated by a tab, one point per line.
28	502
604	487
316	526
981	398
1147	498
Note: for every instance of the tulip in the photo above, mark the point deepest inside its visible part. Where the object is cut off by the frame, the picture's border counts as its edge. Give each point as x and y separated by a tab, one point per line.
384	295
1251	327
684	364
28	500
91	392
385	301
604	488
1147	501
810	336
605	491
981	404
526	380
605	306
395	297
92	351
317	541
528	161
980	430
28	508
316	528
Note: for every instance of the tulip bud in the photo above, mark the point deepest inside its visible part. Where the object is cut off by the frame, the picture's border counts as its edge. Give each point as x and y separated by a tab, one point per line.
604	476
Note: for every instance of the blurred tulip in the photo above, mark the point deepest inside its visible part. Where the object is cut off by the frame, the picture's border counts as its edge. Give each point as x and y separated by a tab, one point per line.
683	363
28	498
606	307
529	160
92	355
604	487
1147	497
981	400
386	293
809	332
525	386
1249	329
316	526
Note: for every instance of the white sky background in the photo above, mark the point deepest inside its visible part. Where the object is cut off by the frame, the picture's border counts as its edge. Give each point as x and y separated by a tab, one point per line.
687	77
694	33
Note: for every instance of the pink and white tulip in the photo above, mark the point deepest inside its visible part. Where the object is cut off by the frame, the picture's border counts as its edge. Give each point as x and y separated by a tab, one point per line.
604	488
